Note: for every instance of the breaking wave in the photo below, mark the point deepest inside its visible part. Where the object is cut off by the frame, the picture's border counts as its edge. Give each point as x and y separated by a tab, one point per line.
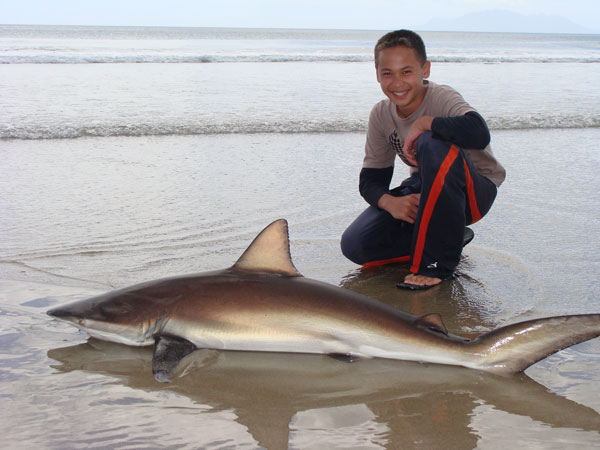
274	58
31	132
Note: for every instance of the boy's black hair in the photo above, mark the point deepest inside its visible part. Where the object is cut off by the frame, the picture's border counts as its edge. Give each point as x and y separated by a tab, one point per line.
404	38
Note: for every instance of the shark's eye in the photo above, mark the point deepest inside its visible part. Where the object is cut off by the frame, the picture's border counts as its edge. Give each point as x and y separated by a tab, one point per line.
116	307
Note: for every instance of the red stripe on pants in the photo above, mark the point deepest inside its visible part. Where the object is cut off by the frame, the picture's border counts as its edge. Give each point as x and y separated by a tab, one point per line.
475	214
434	193
383	262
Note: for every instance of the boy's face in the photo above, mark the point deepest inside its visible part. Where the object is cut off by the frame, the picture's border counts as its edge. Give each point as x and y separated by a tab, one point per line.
400	75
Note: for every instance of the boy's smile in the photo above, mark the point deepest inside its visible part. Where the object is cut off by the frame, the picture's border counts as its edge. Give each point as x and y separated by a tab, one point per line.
400	75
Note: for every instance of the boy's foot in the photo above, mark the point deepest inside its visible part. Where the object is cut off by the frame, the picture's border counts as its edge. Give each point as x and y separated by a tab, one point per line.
416	282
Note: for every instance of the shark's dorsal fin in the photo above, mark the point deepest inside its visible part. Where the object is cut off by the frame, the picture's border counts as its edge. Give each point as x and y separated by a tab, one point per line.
269	252
434	322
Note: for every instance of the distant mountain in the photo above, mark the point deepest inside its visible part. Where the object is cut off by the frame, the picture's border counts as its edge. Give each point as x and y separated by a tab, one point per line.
505	21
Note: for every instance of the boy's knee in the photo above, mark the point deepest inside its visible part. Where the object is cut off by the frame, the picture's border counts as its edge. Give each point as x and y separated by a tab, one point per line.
431	151
426	138
350	246
432	145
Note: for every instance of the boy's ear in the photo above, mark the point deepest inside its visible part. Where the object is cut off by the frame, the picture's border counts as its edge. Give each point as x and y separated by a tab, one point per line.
377	73
426	69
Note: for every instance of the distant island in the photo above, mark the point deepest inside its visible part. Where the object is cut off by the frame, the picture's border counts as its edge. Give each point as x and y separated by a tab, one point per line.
506	21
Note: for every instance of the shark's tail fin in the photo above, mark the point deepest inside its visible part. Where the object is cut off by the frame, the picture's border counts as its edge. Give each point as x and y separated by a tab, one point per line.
515	347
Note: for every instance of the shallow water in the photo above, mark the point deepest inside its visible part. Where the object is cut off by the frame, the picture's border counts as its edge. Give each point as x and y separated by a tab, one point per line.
82	216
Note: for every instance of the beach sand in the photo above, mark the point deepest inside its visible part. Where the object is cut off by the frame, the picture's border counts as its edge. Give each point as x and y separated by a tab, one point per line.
86	215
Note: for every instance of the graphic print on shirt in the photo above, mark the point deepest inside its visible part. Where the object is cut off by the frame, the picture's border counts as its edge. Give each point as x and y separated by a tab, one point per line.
398	146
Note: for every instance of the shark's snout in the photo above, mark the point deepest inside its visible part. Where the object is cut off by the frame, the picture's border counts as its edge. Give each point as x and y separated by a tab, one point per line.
67	312
82	309
58	313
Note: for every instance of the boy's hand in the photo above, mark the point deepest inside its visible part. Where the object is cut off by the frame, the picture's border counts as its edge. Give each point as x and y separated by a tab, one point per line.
403	208
420	125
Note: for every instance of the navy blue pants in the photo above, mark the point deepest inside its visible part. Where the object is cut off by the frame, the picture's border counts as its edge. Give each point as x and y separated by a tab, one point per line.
453	195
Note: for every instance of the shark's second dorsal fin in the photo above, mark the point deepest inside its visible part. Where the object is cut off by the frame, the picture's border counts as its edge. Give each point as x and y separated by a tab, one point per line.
434	322
269	252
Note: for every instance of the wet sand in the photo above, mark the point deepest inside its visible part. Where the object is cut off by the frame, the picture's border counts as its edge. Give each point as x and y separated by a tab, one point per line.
118	211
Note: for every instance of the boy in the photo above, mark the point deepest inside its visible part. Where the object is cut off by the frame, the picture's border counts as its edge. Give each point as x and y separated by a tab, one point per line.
454	175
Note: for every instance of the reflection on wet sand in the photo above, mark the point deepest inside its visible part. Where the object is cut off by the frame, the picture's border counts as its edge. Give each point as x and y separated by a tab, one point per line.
280	398
457	301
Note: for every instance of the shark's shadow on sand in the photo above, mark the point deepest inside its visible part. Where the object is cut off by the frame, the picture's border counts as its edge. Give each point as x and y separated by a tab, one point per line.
429	403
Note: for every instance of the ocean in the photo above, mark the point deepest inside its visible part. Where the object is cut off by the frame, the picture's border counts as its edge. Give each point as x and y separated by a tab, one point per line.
133	153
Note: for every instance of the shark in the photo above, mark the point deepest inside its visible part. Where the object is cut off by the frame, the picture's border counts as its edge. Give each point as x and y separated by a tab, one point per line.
263	303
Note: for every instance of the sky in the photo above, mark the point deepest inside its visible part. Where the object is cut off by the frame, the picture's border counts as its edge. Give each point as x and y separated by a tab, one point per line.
338	14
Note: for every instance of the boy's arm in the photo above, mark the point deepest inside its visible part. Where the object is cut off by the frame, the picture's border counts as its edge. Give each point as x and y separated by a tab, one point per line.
373	183
466	131
374	187
377	171
378	164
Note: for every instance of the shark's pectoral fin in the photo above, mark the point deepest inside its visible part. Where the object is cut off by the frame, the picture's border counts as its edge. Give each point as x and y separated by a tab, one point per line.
168	351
